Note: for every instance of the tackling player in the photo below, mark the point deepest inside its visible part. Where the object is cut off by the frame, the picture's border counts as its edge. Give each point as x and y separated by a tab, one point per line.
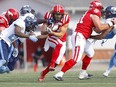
6	19
17	30
56	36
110	12
89	21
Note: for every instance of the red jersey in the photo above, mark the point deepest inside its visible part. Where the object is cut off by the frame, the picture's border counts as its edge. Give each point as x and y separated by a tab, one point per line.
65	19
3	21
86	24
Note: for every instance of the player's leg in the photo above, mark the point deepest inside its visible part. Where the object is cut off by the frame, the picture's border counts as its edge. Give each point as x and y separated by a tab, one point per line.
35	67
4	51
44	73
78	43
55	61
55	55
46	70
12	63
111	64
89	51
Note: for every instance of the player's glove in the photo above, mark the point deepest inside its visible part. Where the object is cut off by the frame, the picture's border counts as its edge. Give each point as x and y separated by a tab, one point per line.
15	52
48	30
33	38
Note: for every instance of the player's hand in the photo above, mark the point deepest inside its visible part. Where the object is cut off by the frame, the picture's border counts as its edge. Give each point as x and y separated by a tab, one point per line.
114	20
48	30
15	52
33	38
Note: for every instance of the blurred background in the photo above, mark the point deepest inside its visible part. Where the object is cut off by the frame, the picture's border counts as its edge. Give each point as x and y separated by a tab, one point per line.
32	54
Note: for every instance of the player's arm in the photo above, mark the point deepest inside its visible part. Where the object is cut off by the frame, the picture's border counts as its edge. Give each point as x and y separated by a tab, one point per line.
62	31
100	26
19	33
42	36
43	29
100	36
40	21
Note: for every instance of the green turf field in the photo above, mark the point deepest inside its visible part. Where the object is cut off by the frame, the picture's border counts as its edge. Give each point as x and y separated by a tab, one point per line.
29	79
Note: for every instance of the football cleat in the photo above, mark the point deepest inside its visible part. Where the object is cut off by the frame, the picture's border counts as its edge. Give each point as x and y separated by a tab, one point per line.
90	76
58	78
105	74
2	62
51	68
4	69
83	75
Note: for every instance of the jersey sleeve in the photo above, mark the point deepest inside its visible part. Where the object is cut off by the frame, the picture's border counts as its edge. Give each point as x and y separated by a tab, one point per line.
47	15
20	23
66	20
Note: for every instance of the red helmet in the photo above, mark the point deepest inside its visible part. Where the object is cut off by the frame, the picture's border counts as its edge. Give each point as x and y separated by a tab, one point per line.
58	9
12	14
96	4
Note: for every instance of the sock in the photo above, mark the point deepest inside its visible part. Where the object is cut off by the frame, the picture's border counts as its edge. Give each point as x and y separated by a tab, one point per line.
35	67
55	54
44	72
69	64
85	62
111	63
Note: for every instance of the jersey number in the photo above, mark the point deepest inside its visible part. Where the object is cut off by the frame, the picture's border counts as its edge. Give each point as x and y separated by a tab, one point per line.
81	20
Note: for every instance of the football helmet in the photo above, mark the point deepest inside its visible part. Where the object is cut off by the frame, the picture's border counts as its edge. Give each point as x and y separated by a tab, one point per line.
110	12
96	4
57	12
25	9
29	23
58	9
11	15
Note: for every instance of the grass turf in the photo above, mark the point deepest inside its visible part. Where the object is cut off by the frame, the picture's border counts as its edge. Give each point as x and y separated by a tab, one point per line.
29	79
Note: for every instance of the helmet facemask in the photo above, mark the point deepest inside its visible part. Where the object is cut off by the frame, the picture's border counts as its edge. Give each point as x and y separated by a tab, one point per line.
57	16
30	26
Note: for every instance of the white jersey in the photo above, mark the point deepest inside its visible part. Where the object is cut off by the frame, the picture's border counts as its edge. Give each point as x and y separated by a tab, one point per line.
8	35
114	29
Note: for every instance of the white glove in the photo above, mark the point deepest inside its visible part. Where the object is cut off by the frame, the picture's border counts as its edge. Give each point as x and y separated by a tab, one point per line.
33	38
48	30
15	52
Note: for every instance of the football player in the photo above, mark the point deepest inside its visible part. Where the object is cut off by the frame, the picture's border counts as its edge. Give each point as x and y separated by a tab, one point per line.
7	19
89	21
110	12
17	30
56	36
